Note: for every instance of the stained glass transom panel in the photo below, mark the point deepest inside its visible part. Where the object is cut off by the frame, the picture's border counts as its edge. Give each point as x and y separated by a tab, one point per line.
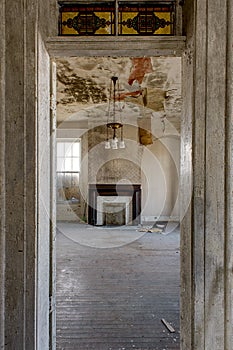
87	19
146	19
118	18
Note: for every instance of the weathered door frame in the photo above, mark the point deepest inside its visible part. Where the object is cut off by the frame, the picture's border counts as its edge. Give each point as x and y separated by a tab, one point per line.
206	294
52	286
206	254
128	47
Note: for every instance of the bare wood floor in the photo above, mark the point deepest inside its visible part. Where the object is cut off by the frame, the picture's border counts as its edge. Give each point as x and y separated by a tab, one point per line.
115	298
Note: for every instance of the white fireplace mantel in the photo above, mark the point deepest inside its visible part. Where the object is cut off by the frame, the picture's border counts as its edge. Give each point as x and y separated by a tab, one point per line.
102	201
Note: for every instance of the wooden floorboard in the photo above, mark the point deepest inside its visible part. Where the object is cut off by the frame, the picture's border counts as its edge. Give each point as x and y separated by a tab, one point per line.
115	298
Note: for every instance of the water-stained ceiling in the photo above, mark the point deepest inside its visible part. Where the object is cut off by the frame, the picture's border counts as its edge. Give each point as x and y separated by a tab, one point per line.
150	86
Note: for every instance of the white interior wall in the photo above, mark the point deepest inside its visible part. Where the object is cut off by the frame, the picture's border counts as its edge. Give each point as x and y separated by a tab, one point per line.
160	180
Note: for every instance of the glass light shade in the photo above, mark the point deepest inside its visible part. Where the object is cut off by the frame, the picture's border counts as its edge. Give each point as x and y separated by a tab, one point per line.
107	145
122	144
114	143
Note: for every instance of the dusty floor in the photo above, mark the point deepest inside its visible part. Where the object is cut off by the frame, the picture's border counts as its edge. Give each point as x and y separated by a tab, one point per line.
114	285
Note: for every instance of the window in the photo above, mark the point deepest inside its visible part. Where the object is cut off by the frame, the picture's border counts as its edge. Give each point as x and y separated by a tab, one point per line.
146	18
68	170
117	18
87	19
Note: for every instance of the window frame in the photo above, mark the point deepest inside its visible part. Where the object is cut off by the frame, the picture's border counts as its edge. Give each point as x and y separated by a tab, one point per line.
176	14
65	172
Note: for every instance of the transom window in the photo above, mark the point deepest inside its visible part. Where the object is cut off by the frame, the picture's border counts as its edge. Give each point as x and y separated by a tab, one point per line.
117	18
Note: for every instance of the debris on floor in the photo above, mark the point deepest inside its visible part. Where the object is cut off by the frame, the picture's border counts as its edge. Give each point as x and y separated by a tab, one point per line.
169	327
150	229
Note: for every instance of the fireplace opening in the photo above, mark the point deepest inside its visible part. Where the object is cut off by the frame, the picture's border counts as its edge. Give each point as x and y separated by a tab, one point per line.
114	210
114	214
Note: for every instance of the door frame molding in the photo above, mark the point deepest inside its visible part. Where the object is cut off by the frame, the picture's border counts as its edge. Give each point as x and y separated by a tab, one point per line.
140	47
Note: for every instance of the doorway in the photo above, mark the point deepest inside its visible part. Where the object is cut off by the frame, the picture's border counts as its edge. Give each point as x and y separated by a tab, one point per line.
164	139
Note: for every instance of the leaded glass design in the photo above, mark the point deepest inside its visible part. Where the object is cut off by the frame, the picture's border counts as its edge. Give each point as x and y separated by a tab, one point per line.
134	18
87	19
146	18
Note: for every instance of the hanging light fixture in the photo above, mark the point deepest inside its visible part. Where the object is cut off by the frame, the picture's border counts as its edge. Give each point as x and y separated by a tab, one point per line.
113	123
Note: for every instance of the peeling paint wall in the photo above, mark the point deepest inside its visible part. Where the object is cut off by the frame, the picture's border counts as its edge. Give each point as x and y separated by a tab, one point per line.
83	86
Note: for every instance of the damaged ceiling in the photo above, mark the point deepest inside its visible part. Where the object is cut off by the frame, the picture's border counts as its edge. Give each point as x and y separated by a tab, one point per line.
148	87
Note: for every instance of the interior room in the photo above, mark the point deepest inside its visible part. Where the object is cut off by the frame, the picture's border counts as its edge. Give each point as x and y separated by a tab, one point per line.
115	285
148	104
118	190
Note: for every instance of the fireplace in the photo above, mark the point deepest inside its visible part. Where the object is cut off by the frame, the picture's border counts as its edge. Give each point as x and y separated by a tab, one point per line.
114	204
118	208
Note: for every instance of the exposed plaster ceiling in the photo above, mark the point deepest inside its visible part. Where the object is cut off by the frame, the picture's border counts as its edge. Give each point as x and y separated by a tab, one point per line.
83	89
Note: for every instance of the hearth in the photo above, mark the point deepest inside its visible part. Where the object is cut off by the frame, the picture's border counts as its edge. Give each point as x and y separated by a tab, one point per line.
113	205
114	214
